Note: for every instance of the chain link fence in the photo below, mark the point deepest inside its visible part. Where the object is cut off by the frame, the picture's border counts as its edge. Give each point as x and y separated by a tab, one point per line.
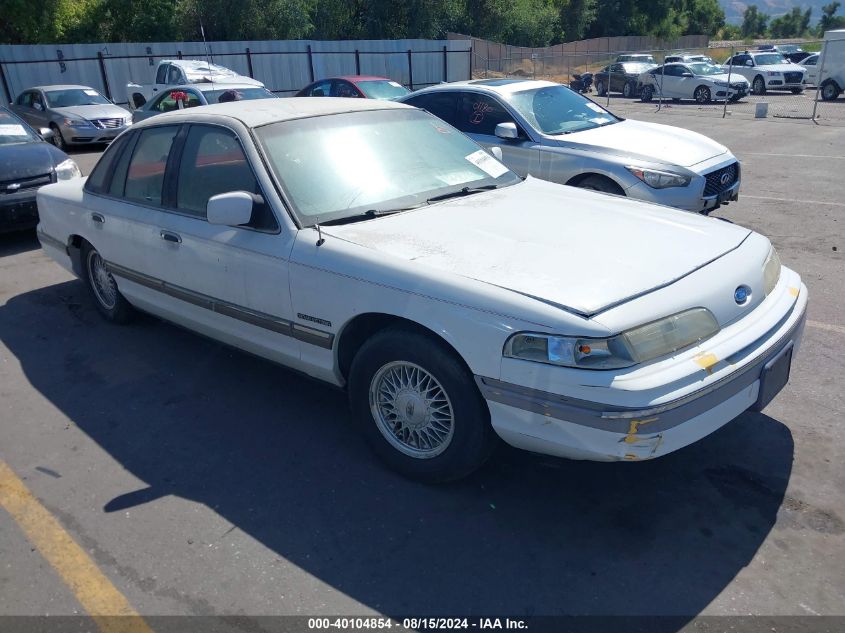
620	81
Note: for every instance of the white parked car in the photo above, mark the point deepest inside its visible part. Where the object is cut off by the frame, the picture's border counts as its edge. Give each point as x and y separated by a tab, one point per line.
700	81
546	130
373	246
766	70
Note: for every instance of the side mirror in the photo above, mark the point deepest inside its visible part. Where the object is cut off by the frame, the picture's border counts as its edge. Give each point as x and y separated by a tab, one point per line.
497	152
230	209
37	106
687	75
45	133
507	130
748	62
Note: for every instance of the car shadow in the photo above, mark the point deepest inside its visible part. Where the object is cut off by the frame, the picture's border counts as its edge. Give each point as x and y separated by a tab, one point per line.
274	453
17	242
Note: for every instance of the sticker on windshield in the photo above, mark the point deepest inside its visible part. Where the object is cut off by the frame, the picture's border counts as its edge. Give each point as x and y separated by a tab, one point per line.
394	84
594	107
487	163
91	93
601	120
12	130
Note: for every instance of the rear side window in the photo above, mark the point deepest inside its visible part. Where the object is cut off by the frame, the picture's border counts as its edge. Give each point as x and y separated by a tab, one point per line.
98	180
441	104
213	162
145	176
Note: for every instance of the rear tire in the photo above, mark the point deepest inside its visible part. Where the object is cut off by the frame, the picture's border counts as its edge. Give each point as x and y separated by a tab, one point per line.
110	303
647	94
797	91
830	90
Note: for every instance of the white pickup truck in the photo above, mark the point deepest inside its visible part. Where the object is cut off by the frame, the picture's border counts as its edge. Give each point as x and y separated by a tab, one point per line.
178	72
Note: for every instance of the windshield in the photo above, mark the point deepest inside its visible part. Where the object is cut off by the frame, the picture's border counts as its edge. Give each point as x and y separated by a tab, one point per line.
644	59
74	97
237	94
702	68
382	89
346	165
559	110
768	59
790	48
636	68
13	130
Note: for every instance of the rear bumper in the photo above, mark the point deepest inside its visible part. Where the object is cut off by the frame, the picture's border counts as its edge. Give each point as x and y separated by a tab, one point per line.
554	424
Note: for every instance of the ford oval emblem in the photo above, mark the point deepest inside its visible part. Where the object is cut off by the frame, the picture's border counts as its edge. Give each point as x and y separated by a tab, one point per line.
741	294
726	178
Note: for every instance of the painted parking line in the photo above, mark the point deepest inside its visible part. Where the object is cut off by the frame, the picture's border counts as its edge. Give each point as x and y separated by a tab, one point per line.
833	204
97	595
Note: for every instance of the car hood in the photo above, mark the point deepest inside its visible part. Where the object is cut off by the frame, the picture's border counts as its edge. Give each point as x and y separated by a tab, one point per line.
645	141
578	250
734	78
89	112
26	160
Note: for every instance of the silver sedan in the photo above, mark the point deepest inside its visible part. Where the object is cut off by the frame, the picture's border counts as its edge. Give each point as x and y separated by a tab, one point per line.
77	115
551	132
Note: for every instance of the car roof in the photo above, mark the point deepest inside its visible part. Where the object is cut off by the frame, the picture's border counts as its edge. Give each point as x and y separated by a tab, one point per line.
354	78
257	112
210	85
495	86
61	87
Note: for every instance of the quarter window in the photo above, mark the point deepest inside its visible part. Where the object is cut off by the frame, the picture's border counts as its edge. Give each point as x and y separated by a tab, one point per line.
145	177
97	180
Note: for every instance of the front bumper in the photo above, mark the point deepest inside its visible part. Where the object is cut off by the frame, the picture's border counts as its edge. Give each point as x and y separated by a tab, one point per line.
555	424
18	212
90	135
692	197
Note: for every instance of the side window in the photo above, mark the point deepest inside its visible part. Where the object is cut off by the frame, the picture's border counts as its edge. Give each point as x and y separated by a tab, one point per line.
480	114
25	99
174	75
97	180
343	89
809	62
169	101
440	104
213	162
322	89
161	74
145	177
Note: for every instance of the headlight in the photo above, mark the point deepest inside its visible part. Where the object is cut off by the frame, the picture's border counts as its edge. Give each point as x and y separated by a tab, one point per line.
67	169
771	271
659	179
77	122
638	345
773	73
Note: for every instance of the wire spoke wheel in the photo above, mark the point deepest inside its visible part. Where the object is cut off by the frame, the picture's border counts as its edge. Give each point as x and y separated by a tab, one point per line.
102	282
412	410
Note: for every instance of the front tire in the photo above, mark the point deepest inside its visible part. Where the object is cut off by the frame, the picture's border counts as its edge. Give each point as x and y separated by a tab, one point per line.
110	303
702	94
58	139
758	86
628	90
418	406
796	91
600	89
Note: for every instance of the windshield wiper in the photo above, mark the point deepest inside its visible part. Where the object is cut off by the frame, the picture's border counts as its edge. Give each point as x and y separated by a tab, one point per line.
465	191
366	215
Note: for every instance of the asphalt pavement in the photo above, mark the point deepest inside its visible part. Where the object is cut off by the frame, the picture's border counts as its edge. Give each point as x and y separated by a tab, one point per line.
203	481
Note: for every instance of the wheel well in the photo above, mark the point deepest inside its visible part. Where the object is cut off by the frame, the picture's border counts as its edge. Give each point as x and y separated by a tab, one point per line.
576	181
74	249
364	326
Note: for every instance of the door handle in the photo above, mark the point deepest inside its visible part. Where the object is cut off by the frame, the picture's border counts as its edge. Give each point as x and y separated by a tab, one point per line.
167	236
99	219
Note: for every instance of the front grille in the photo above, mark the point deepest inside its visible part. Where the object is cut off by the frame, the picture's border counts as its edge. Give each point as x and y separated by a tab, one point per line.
22	184
714	185
108	123
793	78
739	86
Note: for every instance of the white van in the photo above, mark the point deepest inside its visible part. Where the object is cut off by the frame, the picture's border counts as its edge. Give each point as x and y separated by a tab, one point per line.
830	68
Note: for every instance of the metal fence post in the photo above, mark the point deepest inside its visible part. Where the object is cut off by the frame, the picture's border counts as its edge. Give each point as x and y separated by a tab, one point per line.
609	73
822	60
178	54
662	74
728	91
249	63
104	75
445	64
357	62
5	84
410	70
310	64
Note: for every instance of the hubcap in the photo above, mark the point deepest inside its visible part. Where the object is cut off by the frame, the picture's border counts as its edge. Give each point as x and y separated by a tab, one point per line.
102	282
411	409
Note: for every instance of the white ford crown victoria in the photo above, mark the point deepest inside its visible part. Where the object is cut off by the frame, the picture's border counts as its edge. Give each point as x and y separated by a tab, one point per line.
373	246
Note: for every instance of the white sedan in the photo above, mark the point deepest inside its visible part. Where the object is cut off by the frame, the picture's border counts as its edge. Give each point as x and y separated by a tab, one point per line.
700	81
371	245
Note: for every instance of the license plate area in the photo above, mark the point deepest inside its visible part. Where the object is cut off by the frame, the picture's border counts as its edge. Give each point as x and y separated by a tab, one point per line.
774	377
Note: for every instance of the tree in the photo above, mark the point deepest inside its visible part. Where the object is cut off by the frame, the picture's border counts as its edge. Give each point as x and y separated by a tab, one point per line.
829	19
793	24
753	22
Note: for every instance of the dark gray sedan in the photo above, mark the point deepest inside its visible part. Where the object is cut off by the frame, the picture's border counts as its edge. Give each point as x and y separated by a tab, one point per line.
77	115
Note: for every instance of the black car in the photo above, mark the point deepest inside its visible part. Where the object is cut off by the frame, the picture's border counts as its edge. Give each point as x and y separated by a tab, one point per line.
27	162
621	77
792	52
